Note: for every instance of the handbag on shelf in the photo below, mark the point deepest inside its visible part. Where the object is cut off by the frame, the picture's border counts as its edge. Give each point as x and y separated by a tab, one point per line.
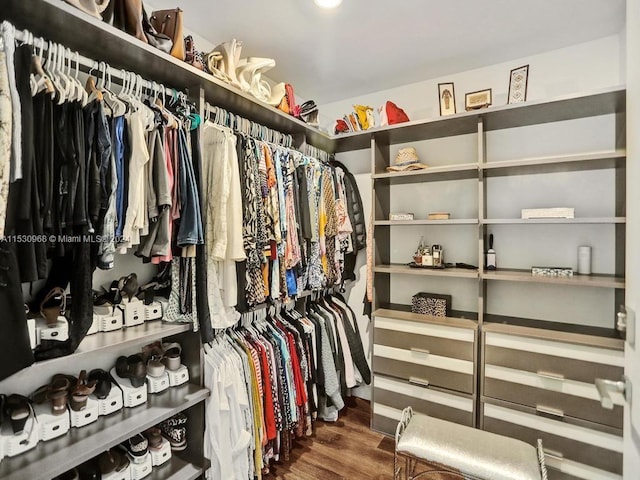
169	23
155	38
192	56
126	15
288	103
431	304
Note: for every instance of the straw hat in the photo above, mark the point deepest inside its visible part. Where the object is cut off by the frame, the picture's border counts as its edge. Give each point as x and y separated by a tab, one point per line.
407	159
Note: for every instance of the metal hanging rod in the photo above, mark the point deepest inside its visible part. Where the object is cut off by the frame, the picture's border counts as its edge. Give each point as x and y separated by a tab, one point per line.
89	65
223	117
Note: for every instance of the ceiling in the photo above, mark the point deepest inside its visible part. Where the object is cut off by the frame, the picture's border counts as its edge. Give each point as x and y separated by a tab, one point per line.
368	45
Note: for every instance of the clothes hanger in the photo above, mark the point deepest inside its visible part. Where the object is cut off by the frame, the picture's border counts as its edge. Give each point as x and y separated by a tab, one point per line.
118	107
49	68
91	88
42	79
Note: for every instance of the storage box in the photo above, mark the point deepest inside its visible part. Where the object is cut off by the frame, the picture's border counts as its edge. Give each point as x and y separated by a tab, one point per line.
51	426
558	212
400	216
112	403
111	322
141	470
162	455
16	444
133	312
87	415
58	333
131	396
153	311
179	376
551	272
157	384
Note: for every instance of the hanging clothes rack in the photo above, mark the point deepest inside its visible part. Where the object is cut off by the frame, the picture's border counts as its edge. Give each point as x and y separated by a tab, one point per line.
236	122
89	65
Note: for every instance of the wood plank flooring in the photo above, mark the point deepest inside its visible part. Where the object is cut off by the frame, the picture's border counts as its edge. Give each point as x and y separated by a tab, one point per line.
345	450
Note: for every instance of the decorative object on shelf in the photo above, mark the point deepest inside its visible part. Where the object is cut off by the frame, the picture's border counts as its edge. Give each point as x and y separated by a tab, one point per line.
555	212
438	216
365	117
447	97
477	100
155	38
438	256
491	255
223	60
92	7
432	304
406	159
169	23
309	113
391	114
518	80
584	260
552	272
400	216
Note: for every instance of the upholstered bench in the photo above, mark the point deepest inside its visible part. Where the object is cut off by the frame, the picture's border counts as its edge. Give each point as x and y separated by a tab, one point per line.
462	452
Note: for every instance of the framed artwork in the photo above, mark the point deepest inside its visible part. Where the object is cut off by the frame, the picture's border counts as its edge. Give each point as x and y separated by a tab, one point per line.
476	100
518	80
447	98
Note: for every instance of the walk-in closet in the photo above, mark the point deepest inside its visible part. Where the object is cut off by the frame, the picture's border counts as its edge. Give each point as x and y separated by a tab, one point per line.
319	240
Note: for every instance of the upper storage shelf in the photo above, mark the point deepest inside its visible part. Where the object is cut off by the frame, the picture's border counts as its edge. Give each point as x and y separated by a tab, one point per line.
569	107
60	22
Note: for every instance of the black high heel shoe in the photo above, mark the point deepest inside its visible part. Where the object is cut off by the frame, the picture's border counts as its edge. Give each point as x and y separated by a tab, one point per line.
18	409
128	286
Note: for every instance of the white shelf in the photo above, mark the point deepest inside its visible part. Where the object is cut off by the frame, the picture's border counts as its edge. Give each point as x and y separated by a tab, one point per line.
399	268
451	221
538	221
558	163
459	171
601	281
416	317
176	469
54	457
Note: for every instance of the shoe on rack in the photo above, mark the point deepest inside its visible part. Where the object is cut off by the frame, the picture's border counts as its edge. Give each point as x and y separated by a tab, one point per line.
171	354
137	448
128	286
57	392
113	460
133	368
80	391
53	306
18	409
153	356
103	382
174	429
154	436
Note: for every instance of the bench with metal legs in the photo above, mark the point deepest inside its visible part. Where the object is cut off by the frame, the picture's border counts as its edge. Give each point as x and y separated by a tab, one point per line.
438	446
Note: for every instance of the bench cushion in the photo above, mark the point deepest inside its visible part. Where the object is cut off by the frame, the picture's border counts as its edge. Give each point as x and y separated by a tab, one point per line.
473	452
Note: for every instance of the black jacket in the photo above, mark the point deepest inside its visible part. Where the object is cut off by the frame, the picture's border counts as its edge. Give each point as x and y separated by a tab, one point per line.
356	215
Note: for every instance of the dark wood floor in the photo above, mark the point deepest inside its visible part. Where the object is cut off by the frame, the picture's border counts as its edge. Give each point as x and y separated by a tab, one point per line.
344	450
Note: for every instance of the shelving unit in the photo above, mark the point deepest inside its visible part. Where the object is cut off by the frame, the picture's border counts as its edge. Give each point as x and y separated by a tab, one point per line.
54	457
555	344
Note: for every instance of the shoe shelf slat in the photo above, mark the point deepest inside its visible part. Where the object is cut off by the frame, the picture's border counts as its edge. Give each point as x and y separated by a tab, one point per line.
54	457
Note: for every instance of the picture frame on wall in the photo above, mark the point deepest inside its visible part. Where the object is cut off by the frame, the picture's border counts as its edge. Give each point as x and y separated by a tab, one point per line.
447	99
476	100
518	82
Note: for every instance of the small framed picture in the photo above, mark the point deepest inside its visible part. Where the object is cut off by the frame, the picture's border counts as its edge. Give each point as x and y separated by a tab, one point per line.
447	99
476	100
518	84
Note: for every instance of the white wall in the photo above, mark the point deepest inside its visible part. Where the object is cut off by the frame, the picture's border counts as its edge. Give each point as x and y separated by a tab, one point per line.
587	66
632	354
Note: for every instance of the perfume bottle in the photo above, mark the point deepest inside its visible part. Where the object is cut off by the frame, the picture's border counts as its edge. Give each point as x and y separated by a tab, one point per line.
417	256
